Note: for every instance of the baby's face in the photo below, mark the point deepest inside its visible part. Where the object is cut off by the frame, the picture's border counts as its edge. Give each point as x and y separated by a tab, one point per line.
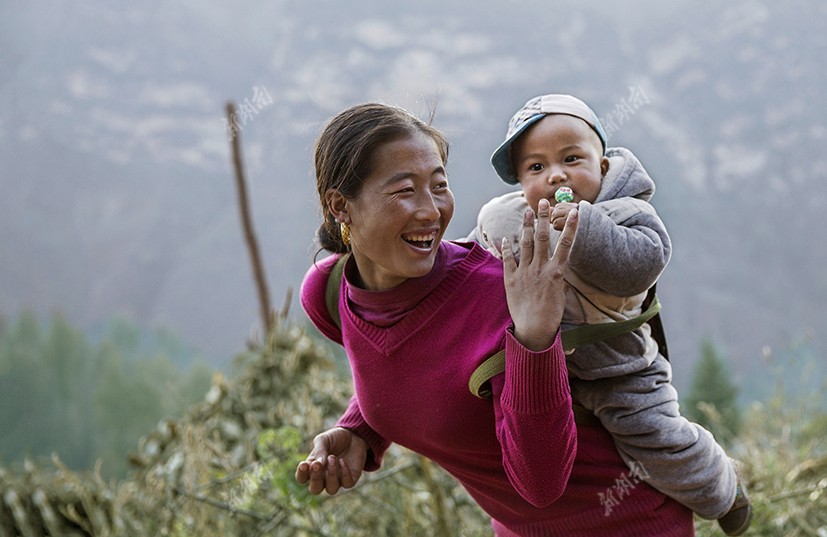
559	150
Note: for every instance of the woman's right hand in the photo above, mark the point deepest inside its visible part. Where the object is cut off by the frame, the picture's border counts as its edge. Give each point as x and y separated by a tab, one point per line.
336	461
535	288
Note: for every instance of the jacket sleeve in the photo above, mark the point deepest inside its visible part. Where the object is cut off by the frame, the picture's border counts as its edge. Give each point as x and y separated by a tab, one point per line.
534	421
498	218
621	246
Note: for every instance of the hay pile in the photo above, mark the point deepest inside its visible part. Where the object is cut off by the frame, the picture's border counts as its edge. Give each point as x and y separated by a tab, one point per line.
187	472
58	502
226	468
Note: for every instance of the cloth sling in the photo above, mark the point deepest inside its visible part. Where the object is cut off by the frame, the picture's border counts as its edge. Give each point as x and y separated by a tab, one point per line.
571	338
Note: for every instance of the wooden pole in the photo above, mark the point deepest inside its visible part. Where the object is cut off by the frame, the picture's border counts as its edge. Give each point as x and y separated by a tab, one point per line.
247	224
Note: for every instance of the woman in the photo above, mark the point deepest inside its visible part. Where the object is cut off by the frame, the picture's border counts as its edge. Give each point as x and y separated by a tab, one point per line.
418	315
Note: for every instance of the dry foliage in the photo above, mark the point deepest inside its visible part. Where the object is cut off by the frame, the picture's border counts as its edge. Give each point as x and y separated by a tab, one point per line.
784	465
226	468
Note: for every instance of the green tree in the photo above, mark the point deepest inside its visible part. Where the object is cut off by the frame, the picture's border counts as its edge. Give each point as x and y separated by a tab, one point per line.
22	385
712	400
68	375
61	394
138	384
127	405
45	386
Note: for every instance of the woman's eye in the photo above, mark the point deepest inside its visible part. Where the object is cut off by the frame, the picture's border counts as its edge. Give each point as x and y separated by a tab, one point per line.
442	185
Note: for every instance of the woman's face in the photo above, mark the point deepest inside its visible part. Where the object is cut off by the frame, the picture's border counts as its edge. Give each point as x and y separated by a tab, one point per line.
398	219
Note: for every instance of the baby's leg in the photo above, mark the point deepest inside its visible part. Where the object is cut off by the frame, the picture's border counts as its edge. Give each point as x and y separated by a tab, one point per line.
677	457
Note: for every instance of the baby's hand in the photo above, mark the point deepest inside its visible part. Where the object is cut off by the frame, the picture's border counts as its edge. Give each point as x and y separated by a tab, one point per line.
559	213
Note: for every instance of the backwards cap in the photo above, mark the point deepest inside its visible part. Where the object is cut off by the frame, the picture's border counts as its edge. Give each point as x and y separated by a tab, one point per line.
533	111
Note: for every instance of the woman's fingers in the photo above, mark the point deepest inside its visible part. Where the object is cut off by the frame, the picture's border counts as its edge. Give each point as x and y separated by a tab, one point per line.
542	235
329	477
534	244
348	479
527	238
313	469
316	479
332	479
534	289
564	244
491	247
303	472
325	468
509	263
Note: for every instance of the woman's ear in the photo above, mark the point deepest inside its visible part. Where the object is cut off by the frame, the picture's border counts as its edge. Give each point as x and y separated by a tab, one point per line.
337	205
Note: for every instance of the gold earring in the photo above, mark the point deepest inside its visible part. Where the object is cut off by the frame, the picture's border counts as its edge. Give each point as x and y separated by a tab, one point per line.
345	231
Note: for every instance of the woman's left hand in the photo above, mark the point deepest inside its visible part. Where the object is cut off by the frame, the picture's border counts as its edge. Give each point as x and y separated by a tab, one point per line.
535	288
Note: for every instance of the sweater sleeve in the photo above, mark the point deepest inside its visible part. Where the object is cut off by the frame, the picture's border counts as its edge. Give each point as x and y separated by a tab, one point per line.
377	446
621	246
313	290
312	298
534	421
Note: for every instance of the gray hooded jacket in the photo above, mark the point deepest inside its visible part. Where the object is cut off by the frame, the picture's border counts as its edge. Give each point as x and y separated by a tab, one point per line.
620	250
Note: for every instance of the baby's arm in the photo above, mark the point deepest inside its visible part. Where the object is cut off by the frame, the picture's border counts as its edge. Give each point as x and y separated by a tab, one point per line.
501	217
621	246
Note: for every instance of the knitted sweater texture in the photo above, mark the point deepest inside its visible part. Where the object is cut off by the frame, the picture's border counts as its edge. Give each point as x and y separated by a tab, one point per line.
519	455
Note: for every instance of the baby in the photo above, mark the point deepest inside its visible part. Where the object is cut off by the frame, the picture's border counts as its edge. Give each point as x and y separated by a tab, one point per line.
621	247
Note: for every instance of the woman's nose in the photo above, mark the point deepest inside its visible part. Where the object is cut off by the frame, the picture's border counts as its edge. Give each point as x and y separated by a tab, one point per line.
427	209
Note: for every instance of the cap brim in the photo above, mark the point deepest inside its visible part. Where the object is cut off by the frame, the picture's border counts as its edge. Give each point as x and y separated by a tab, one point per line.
501	159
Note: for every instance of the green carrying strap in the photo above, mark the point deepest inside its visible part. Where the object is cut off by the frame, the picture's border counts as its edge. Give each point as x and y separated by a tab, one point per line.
494	365
331	292
571	339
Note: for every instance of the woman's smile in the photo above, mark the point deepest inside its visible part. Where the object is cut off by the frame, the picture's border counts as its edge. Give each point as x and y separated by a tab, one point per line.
398	219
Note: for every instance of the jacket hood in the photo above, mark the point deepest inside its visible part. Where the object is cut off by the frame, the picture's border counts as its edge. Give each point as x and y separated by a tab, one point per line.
625	178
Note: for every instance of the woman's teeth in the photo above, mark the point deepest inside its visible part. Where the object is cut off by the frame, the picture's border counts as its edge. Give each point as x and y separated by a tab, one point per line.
421	241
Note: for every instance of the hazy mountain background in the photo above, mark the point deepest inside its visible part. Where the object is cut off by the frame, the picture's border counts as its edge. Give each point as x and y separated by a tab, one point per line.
117	195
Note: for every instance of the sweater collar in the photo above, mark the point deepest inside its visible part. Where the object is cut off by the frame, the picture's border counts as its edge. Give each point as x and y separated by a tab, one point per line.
386	307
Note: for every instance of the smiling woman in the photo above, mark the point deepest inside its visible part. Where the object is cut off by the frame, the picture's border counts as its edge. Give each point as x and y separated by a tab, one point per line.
418	315
398	219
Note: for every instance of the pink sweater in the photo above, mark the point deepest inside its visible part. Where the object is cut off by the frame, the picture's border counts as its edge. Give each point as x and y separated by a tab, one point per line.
412	350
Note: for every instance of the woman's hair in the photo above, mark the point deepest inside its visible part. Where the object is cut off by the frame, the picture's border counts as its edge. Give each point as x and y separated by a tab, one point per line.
345	151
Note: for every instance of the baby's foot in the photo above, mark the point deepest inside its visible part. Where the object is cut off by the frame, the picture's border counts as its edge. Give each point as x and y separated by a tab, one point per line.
738	518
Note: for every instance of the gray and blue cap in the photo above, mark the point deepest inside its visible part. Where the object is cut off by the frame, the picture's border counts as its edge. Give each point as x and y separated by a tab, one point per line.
534	110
